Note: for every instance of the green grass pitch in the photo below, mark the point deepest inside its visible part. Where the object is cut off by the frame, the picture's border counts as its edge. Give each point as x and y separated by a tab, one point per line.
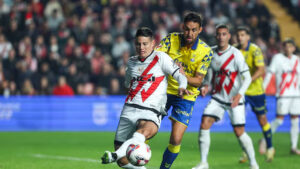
82	150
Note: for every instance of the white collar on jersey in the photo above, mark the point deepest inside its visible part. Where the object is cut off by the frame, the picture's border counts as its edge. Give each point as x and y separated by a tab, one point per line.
143	59
224	51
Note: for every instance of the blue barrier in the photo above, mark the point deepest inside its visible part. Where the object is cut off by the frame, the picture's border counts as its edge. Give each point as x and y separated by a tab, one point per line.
93	113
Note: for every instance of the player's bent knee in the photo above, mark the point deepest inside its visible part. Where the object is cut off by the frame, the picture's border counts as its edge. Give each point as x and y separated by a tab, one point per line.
262	120
239	130
205	126
148	134
206	123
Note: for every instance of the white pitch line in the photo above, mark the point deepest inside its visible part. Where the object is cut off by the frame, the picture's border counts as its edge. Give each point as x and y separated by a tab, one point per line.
44	156
65	158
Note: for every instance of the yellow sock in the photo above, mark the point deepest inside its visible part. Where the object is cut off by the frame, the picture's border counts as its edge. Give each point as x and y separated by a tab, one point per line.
174	148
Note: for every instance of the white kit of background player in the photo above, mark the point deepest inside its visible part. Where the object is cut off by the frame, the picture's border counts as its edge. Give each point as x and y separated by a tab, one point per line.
286	67
230	78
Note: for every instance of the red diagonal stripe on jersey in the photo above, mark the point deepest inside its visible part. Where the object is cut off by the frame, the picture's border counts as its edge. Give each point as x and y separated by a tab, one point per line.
284	86
223	75
227	62
232	79
146	76
152	88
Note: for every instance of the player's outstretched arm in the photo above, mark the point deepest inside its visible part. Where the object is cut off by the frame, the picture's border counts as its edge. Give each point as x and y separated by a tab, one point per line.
182	80
195	81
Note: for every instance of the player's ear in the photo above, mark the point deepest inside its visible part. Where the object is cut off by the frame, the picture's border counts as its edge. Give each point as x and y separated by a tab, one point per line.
153	42
182	26
200	29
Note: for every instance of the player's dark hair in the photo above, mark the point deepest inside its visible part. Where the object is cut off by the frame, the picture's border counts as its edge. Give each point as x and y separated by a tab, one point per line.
243	28
289	40
194	17
144	31
222	26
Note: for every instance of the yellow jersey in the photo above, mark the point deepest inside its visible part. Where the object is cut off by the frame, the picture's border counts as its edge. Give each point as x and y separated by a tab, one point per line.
254	58
194	59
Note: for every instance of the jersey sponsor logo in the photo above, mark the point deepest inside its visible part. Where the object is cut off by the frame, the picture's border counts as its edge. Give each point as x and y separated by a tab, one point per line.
143	79
222	74
287	84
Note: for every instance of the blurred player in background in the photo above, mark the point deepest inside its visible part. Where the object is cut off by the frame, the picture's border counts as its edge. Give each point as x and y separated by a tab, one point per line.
189	51
230	78
255	95
286	68
146	78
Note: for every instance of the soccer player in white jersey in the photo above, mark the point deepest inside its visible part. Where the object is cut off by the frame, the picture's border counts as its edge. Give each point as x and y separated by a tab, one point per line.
230	79
146	78
286	67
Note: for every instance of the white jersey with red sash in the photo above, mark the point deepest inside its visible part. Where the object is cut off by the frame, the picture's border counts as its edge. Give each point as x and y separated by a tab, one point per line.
147	81
287	75
227	69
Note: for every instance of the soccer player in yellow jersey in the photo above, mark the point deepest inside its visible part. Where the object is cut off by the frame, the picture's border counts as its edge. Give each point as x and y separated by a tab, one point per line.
255	94
189	51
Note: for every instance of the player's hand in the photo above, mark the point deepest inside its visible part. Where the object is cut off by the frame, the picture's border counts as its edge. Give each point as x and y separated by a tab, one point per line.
204	90
182	91
235	100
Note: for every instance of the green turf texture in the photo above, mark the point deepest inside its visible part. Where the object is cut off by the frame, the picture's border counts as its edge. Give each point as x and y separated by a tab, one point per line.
18	150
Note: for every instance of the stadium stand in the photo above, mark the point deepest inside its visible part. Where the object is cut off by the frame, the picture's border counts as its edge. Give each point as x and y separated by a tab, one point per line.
89	42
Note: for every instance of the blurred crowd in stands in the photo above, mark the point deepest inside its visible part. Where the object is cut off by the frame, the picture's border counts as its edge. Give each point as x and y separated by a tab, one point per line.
293	7
67	47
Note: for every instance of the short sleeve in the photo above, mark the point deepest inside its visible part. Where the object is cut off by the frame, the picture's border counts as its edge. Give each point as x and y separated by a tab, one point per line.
205	62
258	57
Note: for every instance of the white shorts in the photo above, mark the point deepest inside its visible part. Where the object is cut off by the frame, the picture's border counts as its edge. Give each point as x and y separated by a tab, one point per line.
217	110
129	120
288	106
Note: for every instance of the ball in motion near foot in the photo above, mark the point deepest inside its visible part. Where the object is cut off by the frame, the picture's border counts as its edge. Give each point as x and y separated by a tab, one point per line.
138	154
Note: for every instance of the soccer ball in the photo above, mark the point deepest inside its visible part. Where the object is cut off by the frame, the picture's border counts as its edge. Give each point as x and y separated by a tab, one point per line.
138	154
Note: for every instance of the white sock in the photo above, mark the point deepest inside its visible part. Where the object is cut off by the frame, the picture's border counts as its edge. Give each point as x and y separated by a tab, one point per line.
294	132
130	166
204	143
137	137
275	124
247	146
